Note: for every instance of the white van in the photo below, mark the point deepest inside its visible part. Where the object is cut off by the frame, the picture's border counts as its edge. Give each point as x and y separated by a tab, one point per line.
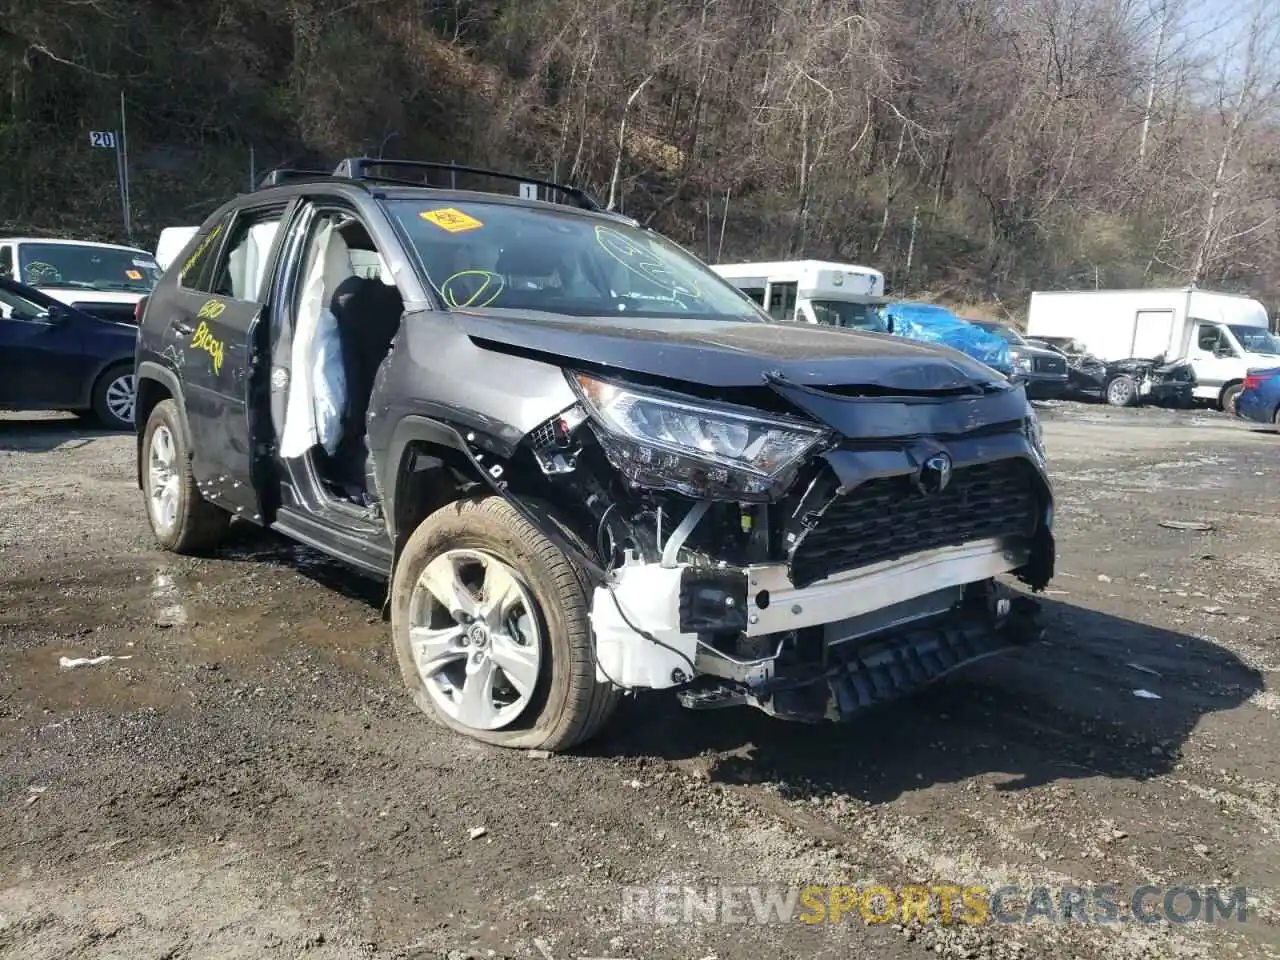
104	279
170	244
1221	335
812	291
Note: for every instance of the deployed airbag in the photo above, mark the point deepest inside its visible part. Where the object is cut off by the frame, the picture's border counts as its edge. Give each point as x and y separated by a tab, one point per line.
318	389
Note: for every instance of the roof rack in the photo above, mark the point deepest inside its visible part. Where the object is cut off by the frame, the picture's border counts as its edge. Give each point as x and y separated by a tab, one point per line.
359	168
278	178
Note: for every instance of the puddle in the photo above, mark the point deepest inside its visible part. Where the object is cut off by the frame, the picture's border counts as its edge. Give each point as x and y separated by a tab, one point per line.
169	610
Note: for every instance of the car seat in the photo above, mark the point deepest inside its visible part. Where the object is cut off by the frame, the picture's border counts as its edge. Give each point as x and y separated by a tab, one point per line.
368	314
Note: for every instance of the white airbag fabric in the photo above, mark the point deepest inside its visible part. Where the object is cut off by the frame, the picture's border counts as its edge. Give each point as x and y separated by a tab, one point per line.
317	389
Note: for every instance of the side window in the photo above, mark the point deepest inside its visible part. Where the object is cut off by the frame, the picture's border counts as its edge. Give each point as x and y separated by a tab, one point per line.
782	300
1208	337
242	267
196	270
15	307
6	261
755	293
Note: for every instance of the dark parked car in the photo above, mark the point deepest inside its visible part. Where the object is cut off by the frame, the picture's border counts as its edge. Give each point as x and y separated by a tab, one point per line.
585	462
56	357
1044	372
1123	383
1259	401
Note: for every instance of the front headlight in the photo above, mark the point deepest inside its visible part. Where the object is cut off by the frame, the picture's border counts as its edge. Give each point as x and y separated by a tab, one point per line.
1035	433
693	446
1022	364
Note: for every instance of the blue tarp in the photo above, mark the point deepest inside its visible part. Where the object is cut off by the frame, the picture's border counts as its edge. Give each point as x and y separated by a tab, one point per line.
934	324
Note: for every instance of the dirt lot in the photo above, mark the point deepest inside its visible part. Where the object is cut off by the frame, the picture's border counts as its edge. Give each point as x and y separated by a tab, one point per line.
252	783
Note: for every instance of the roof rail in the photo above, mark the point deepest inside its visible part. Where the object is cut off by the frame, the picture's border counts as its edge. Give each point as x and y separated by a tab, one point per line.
358	168
278	178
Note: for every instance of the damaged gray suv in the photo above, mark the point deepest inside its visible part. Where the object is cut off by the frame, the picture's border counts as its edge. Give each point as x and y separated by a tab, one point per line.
585	464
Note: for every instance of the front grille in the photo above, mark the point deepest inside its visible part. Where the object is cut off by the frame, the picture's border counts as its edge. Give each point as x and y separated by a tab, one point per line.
1049	364
889	517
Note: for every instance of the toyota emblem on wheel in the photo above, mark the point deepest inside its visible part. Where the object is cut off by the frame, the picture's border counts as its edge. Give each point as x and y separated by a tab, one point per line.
935	474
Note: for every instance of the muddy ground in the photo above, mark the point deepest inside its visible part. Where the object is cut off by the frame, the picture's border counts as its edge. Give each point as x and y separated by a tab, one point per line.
252	782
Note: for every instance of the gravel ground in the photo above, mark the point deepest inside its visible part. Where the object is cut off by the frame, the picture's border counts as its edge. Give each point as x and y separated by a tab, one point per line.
253	783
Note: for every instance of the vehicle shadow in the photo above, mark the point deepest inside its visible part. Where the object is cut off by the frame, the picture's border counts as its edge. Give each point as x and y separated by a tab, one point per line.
41	434
1060	710
249	543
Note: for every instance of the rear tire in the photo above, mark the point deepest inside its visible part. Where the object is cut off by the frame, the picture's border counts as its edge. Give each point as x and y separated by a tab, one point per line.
562	704
115	396
1122	392
182	520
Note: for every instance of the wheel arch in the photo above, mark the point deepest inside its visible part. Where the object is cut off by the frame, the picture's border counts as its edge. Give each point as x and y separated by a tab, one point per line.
154	385
429	465
1222	393
90	386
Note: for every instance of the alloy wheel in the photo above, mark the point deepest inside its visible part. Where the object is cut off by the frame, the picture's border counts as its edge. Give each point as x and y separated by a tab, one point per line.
475	638
162	479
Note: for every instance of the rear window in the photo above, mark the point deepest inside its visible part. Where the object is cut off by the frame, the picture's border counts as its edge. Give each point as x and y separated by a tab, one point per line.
488	255
87	267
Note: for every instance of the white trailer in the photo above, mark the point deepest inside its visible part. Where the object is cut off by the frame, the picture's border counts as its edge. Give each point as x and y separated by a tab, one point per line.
1222	335
812	291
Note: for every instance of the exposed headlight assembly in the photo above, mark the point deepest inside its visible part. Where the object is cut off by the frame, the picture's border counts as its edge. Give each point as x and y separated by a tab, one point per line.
693	446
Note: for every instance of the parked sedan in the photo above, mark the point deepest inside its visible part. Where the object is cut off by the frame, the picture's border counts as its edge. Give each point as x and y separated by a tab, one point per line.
54	356
1259	401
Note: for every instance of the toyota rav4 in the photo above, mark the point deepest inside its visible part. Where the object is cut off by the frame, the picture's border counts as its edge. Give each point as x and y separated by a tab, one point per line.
585	464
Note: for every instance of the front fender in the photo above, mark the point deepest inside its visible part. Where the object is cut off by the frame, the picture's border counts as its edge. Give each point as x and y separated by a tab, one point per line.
487	468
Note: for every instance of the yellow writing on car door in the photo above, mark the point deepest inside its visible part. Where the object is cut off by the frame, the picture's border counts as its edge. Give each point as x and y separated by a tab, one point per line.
203	338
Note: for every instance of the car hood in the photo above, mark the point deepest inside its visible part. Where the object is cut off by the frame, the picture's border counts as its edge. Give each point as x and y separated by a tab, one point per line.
82	295
723	353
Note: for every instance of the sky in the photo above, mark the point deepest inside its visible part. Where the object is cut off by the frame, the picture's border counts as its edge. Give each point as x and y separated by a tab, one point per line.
1213	27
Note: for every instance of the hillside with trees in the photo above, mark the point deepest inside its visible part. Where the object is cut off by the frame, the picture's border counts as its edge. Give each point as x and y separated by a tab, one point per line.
974	149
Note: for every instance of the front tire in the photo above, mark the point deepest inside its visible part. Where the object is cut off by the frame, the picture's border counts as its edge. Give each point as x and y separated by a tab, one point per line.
1122	392
1227	402
182	520
115	396
492	632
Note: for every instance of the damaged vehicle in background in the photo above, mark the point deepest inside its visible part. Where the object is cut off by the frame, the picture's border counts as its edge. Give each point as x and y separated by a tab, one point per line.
584	462
1043	371
1122	383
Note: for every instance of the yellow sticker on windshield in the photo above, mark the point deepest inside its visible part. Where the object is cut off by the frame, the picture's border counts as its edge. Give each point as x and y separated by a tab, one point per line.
451	219
133	274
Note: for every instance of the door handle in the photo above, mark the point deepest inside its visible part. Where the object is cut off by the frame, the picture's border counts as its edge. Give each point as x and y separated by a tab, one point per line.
183	327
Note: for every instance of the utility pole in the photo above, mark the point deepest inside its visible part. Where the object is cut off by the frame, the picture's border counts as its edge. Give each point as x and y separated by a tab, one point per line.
123	156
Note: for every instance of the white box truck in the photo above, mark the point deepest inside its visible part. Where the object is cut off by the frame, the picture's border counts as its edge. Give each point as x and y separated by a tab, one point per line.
1221	335
812	291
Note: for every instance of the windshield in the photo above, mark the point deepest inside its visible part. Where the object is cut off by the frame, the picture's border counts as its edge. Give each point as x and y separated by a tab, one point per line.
1006	334
16	307
856	316
87	266
1256	340
499	256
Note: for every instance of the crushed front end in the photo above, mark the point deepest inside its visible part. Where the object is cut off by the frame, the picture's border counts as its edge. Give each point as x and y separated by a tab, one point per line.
810	551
